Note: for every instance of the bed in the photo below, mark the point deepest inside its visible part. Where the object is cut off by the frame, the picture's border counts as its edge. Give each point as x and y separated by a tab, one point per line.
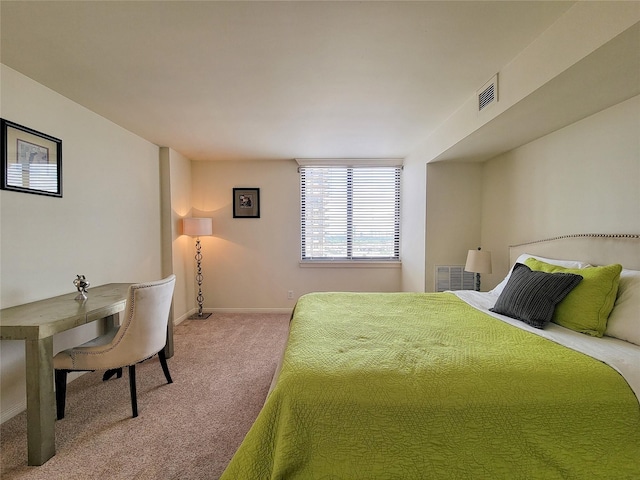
436	385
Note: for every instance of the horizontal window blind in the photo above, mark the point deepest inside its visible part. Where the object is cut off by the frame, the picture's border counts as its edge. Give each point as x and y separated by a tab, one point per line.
350	212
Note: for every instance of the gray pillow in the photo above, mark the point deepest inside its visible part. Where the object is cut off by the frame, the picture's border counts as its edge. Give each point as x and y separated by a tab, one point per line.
532	296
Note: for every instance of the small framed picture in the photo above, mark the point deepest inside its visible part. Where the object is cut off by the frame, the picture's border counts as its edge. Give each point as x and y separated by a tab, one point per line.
246	203
31	161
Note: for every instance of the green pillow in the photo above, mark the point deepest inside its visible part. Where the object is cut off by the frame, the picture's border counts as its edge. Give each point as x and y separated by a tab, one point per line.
587	307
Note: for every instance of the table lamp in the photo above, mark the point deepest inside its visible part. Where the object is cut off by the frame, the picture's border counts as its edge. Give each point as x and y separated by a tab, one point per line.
197	227
478	262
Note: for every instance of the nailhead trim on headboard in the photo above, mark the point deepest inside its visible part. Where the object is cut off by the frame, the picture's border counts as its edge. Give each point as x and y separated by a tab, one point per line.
577	235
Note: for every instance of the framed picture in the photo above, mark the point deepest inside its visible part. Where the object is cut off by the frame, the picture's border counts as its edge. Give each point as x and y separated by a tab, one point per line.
246	203
31	161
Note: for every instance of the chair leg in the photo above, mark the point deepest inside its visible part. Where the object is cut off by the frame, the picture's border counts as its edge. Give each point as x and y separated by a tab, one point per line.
110	373
165	367
132	387
61	392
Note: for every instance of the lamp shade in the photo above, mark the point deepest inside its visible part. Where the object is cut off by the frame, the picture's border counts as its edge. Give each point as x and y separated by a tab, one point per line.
478	261
197	227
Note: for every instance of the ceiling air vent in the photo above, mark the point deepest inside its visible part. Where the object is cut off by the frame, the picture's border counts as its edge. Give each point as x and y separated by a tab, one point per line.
488	94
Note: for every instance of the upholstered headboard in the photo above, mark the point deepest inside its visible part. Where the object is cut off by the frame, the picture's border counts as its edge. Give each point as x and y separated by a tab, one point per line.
596	249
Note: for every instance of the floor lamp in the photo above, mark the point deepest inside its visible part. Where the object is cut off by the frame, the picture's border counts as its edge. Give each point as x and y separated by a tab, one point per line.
478	262
197	227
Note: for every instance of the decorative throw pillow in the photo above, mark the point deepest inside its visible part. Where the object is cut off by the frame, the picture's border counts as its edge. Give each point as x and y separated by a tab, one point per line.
497	290
532	296
587	308
624	320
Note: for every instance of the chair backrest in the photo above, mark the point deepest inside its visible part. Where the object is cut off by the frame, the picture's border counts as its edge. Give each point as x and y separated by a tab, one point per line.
143	331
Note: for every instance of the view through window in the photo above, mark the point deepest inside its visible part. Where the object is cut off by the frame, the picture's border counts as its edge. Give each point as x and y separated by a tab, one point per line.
350	212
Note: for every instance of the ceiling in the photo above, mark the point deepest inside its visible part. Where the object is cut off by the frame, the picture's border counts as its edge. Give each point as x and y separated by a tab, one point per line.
271	80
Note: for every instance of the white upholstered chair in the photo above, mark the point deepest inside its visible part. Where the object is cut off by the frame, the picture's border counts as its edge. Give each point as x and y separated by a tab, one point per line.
142	333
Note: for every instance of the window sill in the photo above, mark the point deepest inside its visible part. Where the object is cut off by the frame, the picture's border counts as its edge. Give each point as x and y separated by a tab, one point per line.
350	264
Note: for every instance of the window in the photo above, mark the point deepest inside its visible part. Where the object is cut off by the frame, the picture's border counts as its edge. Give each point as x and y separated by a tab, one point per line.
350	212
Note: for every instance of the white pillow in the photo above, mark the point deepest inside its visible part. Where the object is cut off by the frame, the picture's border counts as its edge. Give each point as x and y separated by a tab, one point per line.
522	258
624	320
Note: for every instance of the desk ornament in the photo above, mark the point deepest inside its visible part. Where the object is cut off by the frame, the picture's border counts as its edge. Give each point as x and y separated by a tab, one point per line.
82	285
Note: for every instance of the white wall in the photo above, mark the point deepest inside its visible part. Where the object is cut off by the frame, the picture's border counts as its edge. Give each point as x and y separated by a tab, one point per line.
584	178
252	263
106	226
412	234
584	28
176	181
454	215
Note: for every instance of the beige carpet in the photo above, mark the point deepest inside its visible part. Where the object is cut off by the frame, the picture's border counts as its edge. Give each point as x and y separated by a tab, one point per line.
190	429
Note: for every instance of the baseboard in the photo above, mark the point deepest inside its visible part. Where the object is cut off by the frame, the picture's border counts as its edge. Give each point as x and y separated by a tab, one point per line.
12	411
251	310
17	408
182	318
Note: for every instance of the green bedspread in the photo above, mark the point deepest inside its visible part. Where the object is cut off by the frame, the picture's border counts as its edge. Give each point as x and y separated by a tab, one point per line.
423	386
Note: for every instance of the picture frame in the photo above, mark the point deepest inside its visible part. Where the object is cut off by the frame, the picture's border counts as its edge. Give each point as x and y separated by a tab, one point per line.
31	161
246	203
